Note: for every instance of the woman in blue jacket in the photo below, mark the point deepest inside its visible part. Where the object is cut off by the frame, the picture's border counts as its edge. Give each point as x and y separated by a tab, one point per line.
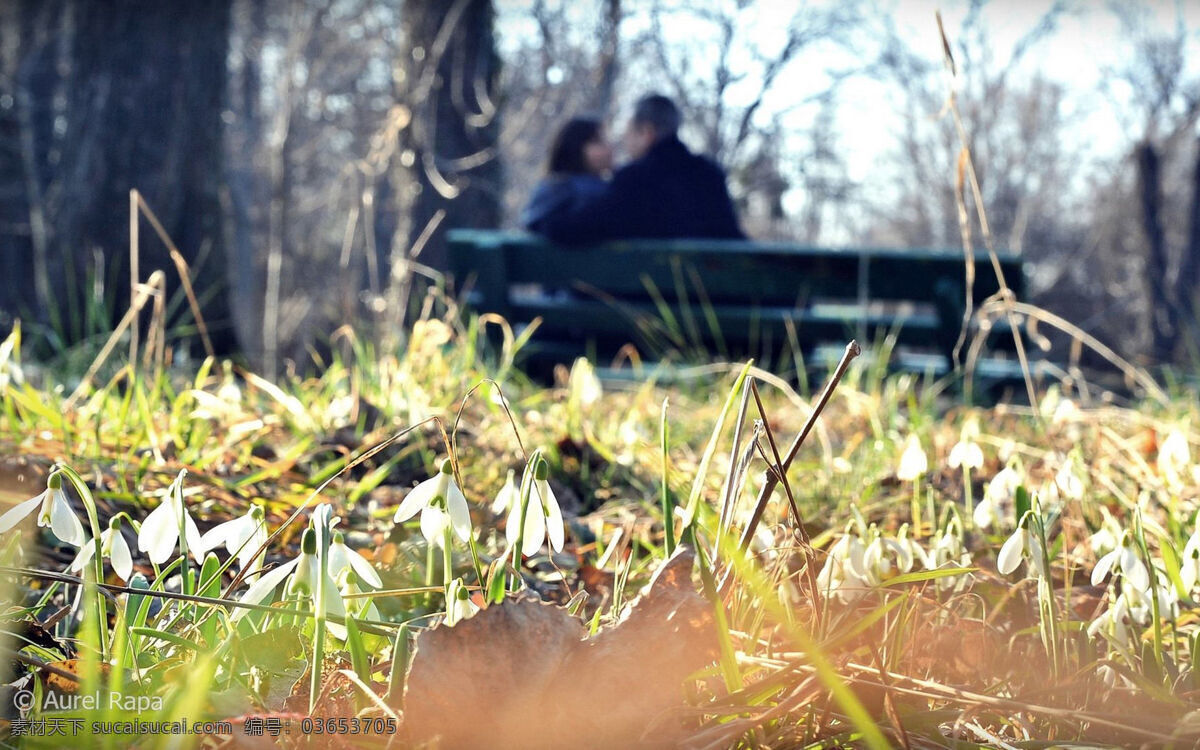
580	162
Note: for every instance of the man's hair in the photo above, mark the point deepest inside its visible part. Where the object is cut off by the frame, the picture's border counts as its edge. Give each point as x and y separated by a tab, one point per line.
659	112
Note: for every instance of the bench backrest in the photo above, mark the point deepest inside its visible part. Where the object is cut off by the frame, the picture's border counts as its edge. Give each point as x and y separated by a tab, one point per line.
921	291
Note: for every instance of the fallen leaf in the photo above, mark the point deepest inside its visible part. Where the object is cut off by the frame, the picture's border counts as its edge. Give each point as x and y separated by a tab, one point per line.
521	674
57	682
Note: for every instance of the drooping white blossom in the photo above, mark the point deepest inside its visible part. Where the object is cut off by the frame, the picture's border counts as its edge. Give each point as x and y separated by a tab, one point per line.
998	498
913	461
1189	566
966	453
508	495
441	504
543	518
242	536
1025	545
459	606
1174	458
342	559
302	575
113	547
54	512
1123	559
160	531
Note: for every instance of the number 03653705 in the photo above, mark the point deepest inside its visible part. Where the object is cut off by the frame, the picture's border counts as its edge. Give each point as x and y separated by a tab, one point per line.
318	725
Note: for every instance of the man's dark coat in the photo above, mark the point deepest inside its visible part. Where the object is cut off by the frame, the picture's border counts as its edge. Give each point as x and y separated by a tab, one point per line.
669	192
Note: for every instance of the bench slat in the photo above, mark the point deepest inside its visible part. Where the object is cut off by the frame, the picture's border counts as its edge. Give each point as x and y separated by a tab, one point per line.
751	292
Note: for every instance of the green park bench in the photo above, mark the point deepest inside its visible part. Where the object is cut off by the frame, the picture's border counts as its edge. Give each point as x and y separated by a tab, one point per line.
699	299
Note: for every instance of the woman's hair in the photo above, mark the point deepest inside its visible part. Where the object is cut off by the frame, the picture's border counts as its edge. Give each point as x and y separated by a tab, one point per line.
566	154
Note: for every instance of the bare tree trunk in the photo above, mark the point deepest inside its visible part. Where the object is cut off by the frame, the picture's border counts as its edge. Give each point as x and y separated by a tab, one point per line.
31	45
608	69
1163	320
244	188
1187	284
446	163
133	99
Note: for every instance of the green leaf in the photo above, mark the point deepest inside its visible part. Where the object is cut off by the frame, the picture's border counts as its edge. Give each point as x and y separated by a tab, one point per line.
359	658
275	650
926	575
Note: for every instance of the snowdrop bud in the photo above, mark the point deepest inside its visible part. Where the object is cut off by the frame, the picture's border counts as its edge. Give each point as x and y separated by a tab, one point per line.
584	384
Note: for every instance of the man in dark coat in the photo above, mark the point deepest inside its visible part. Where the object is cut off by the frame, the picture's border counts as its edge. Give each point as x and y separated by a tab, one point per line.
666	191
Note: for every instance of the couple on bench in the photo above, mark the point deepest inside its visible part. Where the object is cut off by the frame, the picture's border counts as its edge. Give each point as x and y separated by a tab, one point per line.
666	191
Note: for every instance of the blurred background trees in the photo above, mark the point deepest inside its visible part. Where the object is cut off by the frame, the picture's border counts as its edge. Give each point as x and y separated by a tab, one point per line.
102	98
307	156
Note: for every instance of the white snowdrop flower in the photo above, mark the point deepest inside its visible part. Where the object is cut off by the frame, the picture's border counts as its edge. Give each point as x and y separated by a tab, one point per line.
160	531
229	392
1125	560
998	498
441	504
1174	458
885	557
459	606
1007	450
342	559
1110	677
1022	545
949	550
913	551
1107	537
1065	411
10	369
543	518
763	543
242	536
304	579
112	546
583	384
1189	569
340	409
966	454
1067	481
301	575
1141	603
913	462
841	576
54	512
357	606
1113	624
508	495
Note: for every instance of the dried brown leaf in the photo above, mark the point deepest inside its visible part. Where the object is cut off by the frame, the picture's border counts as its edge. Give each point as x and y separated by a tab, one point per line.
521	674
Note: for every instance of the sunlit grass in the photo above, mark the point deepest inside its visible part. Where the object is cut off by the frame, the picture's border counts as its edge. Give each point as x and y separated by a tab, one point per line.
857	626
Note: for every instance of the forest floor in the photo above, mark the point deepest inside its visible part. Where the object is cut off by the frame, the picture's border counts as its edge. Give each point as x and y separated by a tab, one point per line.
925	574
